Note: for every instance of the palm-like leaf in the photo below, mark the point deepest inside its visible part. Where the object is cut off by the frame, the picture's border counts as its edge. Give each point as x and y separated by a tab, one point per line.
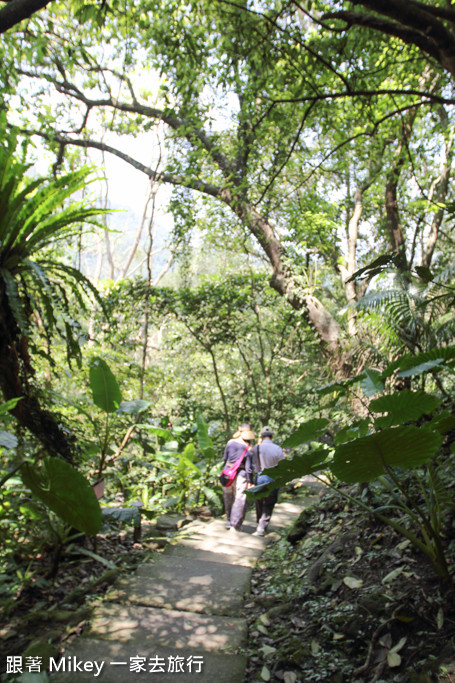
36	215
420	317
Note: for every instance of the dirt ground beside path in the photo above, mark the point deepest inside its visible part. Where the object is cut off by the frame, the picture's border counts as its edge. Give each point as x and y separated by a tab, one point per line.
344	599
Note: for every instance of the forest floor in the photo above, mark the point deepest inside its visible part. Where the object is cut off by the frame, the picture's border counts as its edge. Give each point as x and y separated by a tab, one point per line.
339	598
47	611
344	599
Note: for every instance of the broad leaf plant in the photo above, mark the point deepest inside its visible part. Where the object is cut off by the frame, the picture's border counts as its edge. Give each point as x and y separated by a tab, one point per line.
404	430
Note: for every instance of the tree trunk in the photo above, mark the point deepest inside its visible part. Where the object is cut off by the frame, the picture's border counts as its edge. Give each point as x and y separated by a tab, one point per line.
282	280
396	236
348	270
442	186
15	371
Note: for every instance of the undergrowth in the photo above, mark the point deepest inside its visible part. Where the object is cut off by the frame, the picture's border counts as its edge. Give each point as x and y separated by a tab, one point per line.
342	598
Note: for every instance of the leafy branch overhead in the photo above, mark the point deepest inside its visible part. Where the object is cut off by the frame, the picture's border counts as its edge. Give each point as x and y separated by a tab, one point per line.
254	141
421	24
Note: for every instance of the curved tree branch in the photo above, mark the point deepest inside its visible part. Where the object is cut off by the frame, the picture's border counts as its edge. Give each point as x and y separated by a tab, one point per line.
412	22
171	178
16	11
428	97
184	126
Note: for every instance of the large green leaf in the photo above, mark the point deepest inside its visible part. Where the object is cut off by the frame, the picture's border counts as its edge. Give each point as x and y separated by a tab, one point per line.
105	390
7	440
186	466
130	515
308	431
367	458
421	368
424	273
443	422
204	440
353	431
66	492
133	407
9	405
371	382
159	431
189	452
403	406
410	364
376	267
338	387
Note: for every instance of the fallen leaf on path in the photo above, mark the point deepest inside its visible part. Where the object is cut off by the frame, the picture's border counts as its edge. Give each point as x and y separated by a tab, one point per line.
352	582
399	646
393	659
392	575
289	677
315	647
265	674
440	619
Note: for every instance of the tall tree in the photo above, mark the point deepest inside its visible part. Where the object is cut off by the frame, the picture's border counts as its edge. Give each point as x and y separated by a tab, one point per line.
253	103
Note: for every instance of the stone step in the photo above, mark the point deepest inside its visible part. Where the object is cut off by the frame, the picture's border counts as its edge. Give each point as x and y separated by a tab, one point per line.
147	627
193	552
217	544
185	584
285	514
218	528
178	616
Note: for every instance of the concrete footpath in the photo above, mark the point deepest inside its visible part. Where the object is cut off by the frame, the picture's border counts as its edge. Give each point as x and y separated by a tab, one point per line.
180	615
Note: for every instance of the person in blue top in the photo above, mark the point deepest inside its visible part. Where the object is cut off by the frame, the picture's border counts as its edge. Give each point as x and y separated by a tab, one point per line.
234	496
266	454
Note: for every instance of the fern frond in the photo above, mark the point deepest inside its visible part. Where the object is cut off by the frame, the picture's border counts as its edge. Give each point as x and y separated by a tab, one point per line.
76	277
212	496
14	300
444	332
12	219
379	299
444	277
